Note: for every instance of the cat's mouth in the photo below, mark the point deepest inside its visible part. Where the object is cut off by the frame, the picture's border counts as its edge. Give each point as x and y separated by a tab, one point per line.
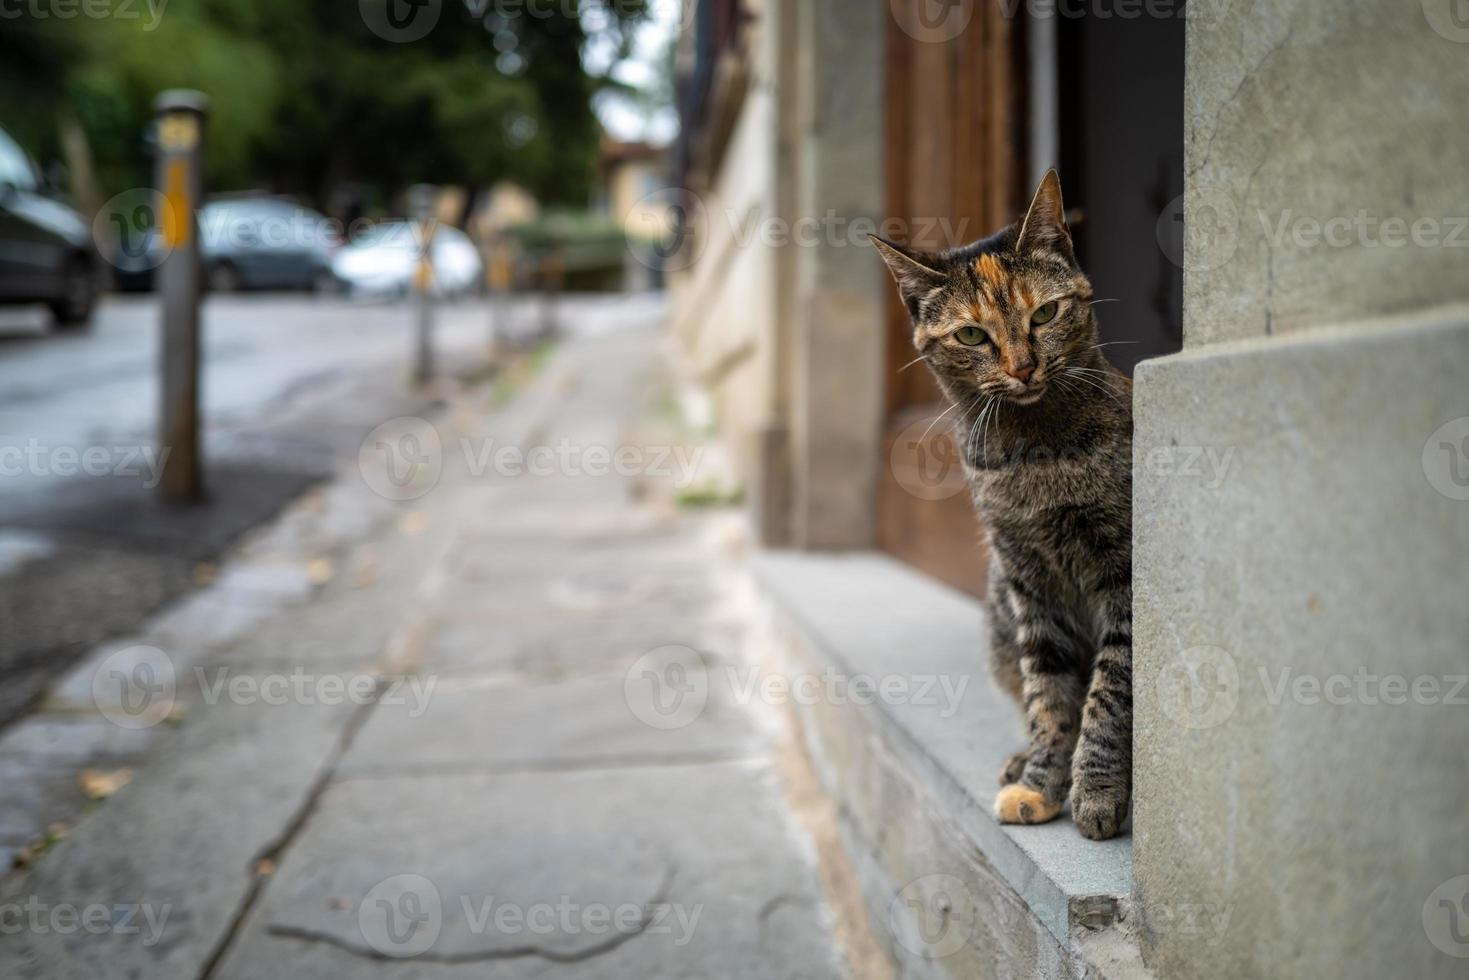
1027	396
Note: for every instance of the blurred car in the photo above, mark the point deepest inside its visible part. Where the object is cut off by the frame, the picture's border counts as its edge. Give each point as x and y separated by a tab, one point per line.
382	262
46	253
247	242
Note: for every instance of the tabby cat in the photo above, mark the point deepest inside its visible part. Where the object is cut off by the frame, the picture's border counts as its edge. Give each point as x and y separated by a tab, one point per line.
1045	425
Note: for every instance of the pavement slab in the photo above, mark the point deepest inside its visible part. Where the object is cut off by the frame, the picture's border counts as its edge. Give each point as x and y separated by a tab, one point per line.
180	843
560	768
498	725
567	874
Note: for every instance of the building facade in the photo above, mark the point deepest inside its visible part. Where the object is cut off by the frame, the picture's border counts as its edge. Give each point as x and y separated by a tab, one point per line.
1267	195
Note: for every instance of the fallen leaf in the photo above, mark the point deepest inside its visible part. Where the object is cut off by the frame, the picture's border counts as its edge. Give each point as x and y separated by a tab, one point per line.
205	573
98	785
320	571
265	868
365	576
339	904
413	522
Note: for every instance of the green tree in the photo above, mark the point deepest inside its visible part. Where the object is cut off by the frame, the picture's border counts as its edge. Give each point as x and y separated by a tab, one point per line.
306	98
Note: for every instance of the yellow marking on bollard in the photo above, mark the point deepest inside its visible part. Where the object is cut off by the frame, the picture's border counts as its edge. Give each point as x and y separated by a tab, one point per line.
178	132
423	276
499	271
178	225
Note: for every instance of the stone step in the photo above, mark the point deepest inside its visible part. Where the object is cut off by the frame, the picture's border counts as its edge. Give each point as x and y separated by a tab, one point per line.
908	735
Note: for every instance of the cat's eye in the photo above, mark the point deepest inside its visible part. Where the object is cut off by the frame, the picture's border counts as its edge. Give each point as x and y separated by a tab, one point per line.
1044	314
970	336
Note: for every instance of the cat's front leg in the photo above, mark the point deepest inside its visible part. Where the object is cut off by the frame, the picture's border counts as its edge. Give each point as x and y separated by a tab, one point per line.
1052	691
1101	772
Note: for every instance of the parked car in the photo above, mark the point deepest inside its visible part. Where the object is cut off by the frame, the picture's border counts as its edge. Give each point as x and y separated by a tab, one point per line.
382	262
248	242
46	253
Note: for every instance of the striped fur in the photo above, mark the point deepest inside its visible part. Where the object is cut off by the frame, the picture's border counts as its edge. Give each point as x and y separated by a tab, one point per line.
1046	428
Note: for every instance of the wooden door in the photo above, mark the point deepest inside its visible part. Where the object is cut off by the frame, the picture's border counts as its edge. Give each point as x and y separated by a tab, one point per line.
954	164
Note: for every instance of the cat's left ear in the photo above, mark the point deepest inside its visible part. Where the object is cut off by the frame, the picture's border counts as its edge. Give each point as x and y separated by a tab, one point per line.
912	270
1044	225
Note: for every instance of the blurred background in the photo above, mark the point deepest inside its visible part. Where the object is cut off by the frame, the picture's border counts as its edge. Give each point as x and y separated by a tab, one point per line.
534	131
463	457
528	124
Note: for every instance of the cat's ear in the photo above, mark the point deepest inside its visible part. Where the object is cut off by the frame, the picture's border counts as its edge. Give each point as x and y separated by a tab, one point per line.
912	270
1044	224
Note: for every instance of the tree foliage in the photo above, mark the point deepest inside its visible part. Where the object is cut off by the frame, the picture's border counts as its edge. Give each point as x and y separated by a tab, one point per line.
307	99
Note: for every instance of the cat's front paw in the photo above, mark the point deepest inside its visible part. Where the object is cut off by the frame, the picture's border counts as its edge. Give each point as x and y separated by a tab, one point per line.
1021	804
1014	767
1099	813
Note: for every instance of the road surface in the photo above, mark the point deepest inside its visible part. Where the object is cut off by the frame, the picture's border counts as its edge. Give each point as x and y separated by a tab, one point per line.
291	385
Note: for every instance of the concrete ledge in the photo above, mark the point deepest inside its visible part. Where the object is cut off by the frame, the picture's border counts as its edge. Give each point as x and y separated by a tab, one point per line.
1301	523
914	775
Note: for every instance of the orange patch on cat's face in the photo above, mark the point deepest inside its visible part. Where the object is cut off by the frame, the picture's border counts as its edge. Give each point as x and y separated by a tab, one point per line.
1021	298
989	269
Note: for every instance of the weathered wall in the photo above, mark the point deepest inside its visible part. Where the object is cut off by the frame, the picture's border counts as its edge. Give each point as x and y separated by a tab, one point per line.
1317	135
1301	509
723	312
839	320
781	311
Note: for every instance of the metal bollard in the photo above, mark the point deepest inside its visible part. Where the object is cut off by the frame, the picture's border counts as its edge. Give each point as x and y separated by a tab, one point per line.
180	116
553	277
500	277
421	198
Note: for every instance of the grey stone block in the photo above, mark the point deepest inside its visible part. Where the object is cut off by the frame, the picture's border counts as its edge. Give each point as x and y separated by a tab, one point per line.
1295	813
1320	142
915	772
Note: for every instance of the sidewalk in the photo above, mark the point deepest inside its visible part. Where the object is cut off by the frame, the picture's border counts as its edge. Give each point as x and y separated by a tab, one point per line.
476	730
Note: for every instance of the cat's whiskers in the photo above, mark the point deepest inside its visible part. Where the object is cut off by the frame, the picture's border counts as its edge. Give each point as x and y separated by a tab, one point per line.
978	417
1113	299
910	363
981	422
1076	374
936	421
1109	375
994	417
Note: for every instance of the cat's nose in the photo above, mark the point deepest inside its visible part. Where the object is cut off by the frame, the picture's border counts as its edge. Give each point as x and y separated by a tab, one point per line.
1021	370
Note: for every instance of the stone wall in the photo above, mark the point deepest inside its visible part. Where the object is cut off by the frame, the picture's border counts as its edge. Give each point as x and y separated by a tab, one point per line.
1324	157
781	311
1301	514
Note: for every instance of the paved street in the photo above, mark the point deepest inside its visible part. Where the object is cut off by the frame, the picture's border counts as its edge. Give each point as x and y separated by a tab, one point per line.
291	384
476	708
261	352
